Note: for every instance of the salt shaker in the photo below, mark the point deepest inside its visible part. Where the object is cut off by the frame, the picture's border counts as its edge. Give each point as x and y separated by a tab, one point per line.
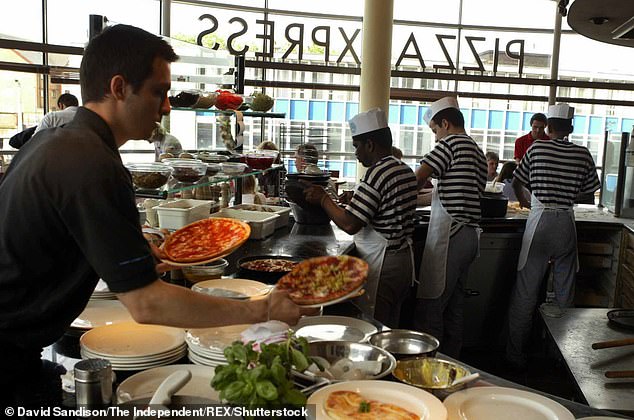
93	383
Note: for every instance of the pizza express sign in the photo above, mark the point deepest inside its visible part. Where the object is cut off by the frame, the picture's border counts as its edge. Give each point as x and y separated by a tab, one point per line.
295	34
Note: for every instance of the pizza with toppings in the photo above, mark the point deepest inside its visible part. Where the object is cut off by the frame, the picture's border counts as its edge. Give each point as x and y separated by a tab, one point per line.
206	240
324	279
343	405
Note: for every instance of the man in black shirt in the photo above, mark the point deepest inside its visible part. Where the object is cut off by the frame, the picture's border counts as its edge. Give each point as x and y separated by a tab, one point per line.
69	218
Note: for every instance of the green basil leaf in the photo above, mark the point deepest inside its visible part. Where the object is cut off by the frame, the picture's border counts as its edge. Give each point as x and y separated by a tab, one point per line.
294	397
266	390
299	360
278	373
233	391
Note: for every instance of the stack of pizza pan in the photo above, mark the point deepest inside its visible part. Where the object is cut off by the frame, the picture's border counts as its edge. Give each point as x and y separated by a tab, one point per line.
206	345
102	292
132	346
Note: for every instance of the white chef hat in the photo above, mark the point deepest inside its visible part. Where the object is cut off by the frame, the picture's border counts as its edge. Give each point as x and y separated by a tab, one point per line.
365	122
440	105
562	111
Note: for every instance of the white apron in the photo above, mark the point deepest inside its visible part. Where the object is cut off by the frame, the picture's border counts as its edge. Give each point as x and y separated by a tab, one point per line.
434	264
370	246
537	209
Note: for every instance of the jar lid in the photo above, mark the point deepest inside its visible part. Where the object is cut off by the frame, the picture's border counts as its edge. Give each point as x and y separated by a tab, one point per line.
93	370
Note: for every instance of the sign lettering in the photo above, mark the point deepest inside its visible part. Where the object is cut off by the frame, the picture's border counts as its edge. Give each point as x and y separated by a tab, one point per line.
294	34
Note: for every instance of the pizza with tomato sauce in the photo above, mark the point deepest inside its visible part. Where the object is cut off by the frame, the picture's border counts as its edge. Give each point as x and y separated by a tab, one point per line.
324	279
206	240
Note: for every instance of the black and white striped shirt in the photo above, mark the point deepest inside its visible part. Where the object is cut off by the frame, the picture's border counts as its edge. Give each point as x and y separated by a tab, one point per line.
461	169
557	171
386	200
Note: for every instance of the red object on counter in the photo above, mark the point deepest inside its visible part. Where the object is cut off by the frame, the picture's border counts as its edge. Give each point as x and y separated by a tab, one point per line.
260	161
228	100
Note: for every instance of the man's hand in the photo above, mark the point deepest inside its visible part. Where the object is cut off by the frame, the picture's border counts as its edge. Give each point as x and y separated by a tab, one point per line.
345	197
282	308
161	267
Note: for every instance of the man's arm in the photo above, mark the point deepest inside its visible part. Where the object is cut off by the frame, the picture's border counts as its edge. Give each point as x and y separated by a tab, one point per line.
423	173
349	223
45	123
520	193
167	304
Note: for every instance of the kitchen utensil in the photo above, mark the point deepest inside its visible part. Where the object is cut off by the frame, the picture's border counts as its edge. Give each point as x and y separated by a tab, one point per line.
333	328
465	380
622	317
357	353
613	343
93	383
493	205
619	374
432	374
405	343
163	395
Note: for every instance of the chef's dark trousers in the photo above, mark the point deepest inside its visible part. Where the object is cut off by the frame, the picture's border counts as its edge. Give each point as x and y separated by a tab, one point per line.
555	239
442	317
28	381
394	285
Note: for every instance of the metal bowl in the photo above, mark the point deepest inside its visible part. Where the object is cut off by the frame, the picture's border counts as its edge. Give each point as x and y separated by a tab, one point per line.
430	373
333	351
405	343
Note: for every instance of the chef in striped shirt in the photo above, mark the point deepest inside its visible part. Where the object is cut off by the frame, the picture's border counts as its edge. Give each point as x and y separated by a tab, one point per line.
556	171
380	215
459	168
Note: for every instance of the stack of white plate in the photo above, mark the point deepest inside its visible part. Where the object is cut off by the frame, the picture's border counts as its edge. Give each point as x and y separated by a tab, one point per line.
206	345
102	292
98	313
132	346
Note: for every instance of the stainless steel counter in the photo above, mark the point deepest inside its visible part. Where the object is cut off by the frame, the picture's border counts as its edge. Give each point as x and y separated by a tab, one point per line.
574	334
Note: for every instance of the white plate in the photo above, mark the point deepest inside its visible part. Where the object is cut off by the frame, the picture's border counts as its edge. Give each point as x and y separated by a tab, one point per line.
333	328
418	401
600	418
492	402
144	365
232	288
215	338
129	339
143	384
101	312
133	360
203	361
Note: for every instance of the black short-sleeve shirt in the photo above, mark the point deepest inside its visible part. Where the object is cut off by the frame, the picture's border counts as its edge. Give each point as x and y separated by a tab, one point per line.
67	217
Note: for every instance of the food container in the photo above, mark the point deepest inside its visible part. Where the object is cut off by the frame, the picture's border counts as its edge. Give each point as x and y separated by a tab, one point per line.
405	343
266	276
261	159
212	169
283	212
211	157
262	224
233	168
209	271
176	214
493	205
432	374
188	170
184	99
347	360
149	176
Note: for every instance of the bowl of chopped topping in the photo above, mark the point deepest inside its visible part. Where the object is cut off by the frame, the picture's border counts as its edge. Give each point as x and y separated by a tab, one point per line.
266	268
149	176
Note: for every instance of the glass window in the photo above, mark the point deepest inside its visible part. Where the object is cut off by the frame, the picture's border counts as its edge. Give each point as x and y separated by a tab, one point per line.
517	14
22	21
427	11
68	19
20	103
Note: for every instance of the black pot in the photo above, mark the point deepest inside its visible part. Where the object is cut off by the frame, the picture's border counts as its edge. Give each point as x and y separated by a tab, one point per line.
303	212
263	276
493	205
